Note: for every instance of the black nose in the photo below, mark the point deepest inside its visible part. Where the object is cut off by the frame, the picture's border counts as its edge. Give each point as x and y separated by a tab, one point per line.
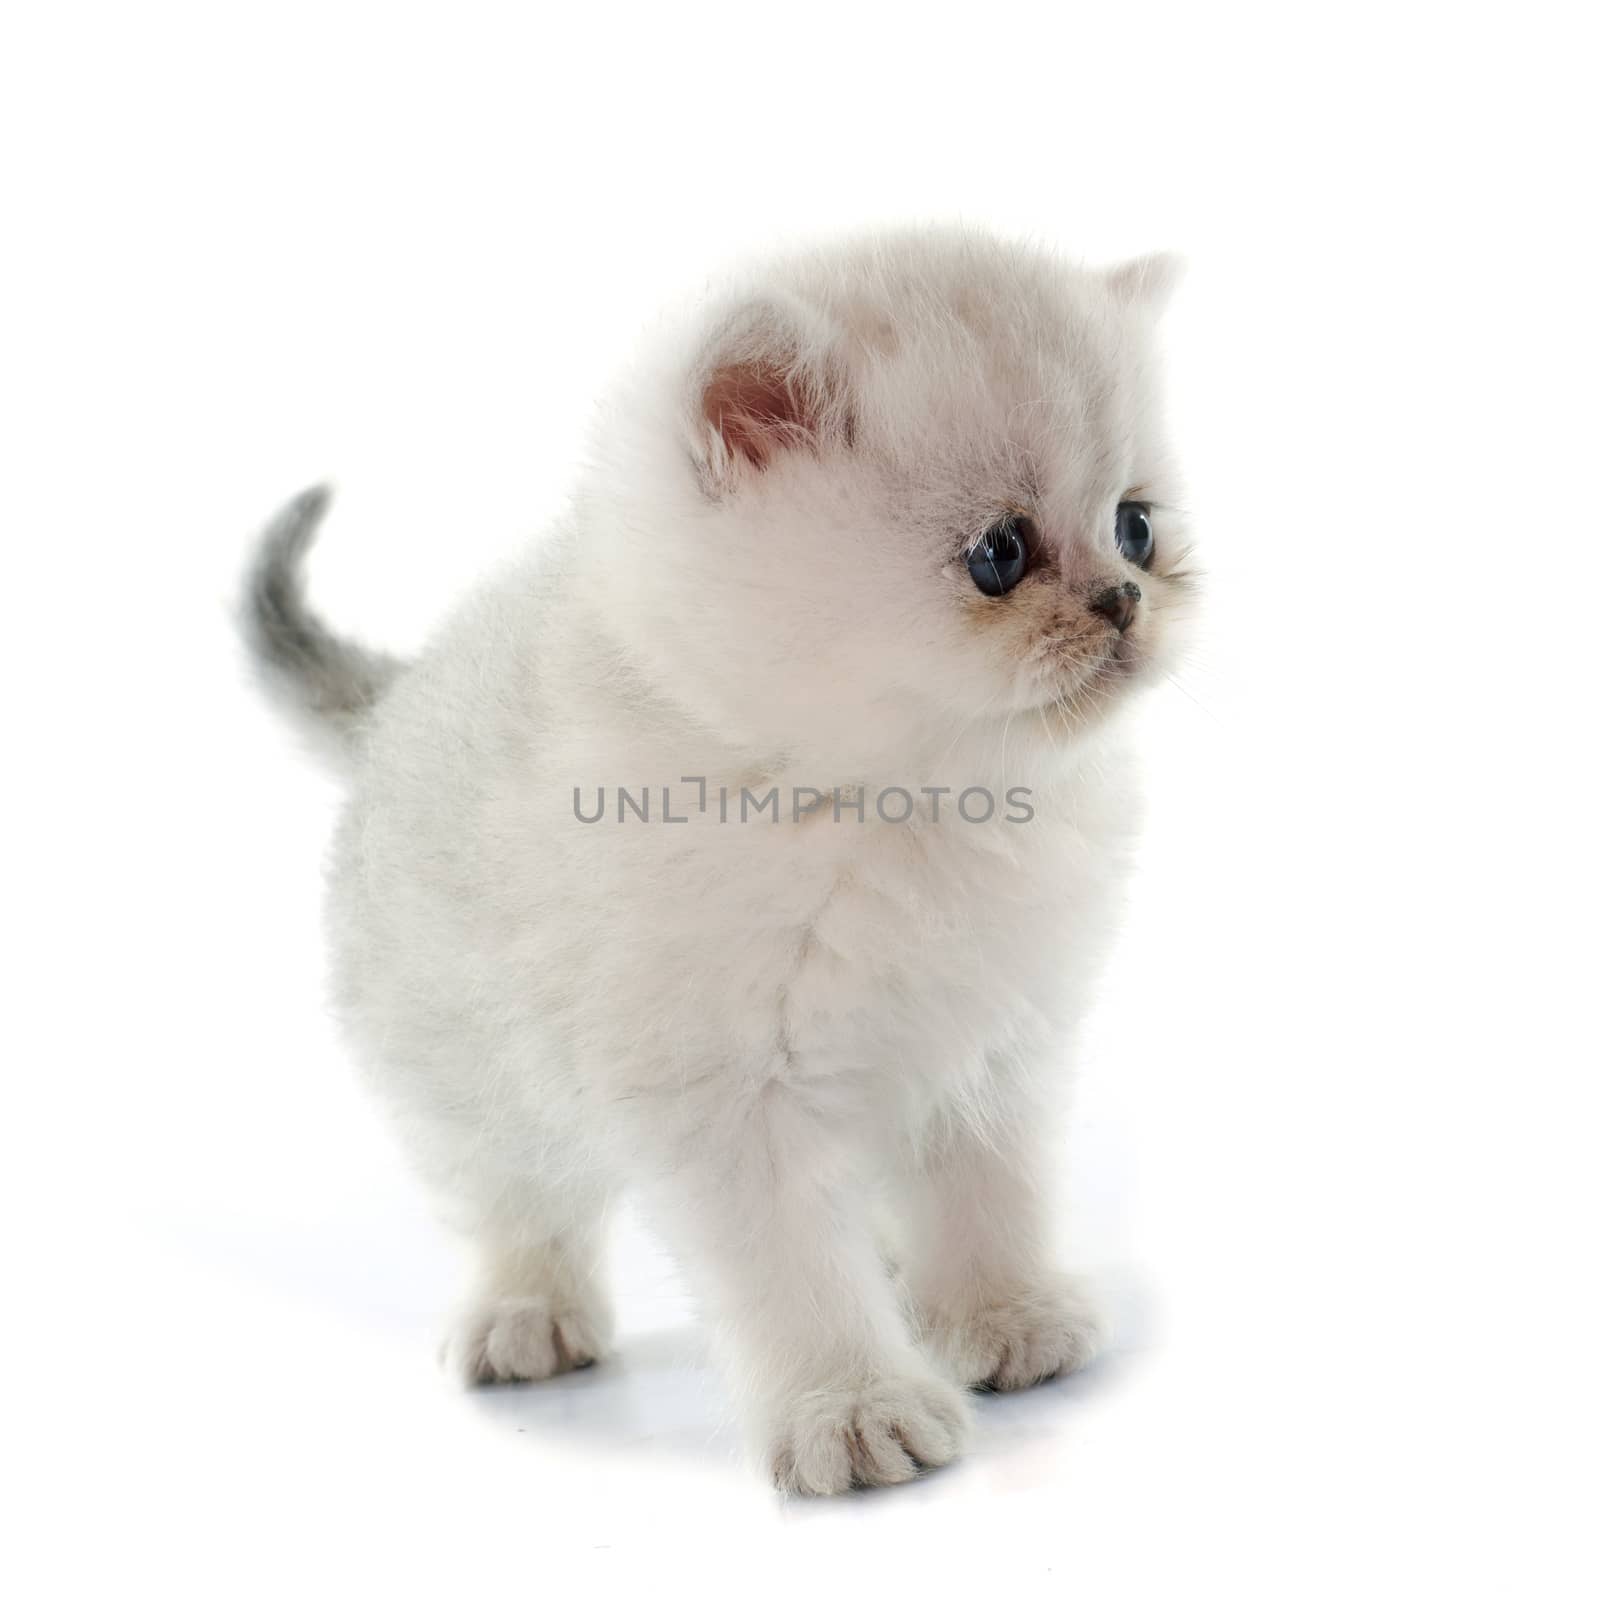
1117	604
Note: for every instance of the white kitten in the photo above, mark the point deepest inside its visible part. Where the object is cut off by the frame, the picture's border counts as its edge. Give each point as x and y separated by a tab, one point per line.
875	534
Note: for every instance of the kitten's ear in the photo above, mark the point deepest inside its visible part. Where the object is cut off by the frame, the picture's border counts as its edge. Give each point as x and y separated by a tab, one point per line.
767	382
1147	281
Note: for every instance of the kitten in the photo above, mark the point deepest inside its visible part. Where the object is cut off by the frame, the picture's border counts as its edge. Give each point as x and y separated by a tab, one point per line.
885	530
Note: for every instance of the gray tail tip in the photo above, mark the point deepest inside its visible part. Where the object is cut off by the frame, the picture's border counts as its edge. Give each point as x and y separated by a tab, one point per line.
314	500
294	527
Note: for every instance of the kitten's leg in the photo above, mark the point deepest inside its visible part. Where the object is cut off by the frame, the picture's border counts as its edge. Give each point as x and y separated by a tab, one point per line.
993	1309
765	1205
538	1306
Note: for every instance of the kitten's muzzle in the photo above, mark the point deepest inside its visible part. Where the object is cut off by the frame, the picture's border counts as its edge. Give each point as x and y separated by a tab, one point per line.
1118	604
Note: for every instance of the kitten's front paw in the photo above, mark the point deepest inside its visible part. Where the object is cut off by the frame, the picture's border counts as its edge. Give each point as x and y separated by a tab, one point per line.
510	1340
879	1432
1014	1340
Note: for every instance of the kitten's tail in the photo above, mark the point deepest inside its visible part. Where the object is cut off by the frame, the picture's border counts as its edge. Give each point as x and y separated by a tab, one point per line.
327	684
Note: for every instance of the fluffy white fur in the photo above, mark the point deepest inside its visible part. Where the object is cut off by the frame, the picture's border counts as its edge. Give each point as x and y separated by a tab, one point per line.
771	1030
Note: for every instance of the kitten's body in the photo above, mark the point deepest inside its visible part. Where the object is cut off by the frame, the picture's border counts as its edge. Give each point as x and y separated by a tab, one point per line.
762	1024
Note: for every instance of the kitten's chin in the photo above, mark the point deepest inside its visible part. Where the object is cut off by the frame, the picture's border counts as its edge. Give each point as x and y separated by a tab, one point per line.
1085	699
1124	661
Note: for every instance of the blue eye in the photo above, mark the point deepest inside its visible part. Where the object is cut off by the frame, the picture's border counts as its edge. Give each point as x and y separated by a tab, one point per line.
1134	538
999	559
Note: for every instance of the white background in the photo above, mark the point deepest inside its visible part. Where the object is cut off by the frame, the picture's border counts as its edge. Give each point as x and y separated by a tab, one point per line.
1335	1144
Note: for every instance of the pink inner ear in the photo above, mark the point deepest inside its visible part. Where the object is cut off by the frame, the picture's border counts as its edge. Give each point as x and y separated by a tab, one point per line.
757	409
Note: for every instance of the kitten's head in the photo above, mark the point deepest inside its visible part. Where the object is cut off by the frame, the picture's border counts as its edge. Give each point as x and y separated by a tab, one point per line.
902	489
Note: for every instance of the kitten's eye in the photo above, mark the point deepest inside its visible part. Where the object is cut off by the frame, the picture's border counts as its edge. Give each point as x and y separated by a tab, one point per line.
1134	538
1000	558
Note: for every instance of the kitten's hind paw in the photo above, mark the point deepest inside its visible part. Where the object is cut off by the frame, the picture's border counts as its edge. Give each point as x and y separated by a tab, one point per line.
1019	1339
879	1432
518	1339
